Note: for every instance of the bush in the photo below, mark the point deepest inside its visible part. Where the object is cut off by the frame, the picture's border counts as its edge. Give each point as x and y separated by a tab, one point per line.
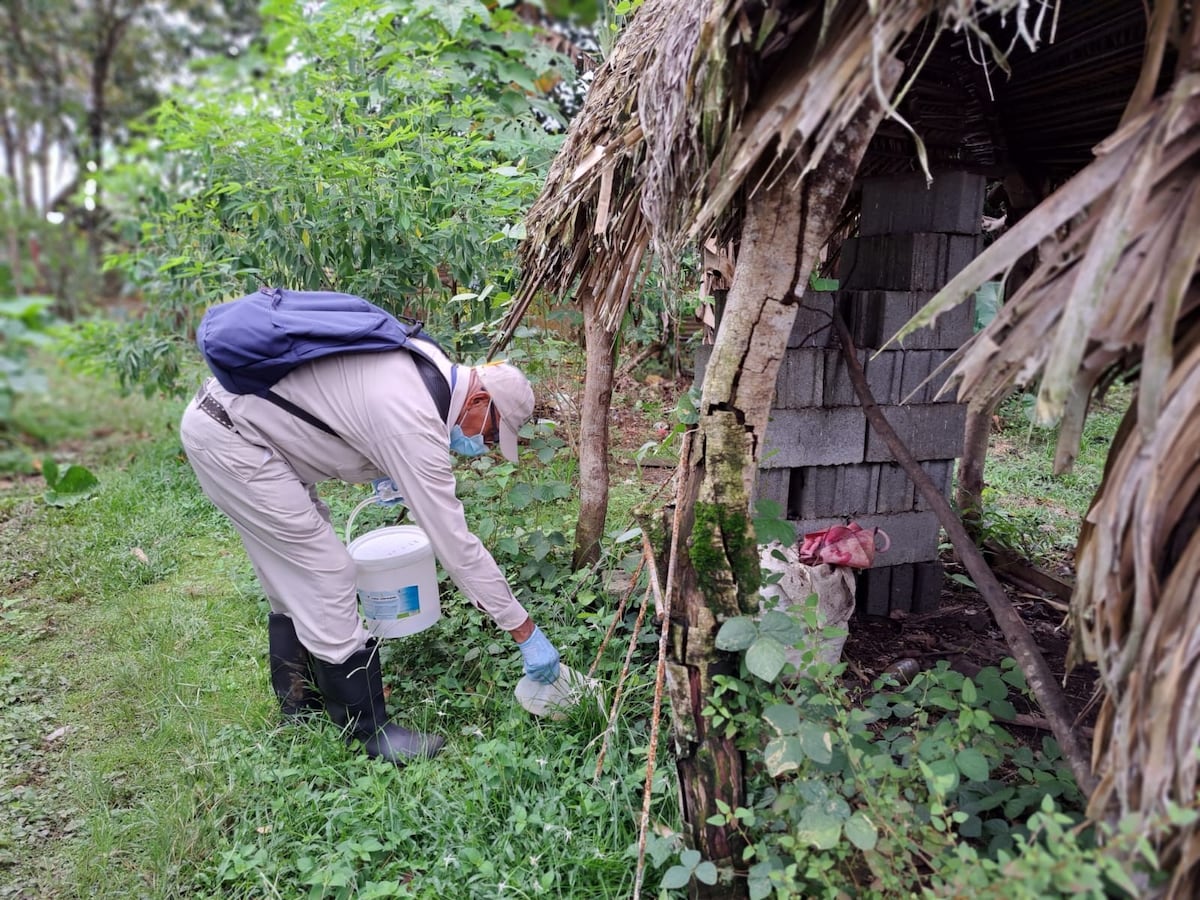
906	789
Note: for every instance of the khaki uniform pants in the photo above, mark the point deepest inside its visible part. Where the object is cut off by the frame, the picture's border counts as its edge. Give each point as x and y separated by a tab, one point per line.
305	571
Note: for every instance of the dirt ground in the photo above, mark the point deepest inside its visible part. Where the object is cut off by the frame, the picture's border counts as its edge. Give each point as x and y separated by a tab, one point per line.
962	632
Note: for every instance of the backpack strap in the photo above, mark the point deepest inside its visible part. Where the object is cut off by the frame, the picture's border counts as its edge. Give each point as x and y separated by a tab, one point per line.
435	383
298	412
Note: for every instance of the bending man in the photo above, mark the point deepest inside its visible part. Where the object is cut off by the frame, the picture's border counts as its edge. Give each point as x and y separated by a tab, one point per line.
260	465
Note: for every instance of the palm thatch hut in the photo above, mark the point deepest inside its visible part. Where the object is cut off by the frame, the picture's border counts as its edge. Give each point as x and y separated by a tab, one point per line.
750	124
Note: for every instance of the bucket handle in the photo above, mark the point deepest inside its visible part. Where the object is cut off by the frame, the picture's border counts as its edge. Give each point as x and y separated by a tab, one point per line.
354	515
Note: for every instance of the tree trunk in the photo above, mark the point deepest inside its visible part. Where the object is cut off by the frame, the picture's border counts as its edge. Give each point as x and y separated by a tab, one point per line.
785	228
969	497
600	348
977	431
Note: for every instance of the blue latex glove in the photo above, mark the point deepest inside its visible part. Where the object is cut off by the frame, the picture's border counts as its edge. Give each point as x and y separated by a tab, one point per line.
386	492
541	659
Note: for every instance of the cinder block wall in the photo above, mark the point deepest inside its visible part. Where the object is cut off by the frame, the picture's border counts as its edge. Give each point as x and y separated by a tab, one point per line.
821	460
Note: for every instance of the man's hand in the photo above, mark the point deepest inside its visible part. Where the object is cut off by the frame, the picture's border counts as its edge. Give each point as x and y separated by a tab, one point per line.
541	659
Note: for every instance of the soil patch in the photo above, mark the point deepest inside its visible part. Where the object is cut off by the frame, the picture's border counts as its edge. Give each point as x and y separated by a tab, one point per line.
963	633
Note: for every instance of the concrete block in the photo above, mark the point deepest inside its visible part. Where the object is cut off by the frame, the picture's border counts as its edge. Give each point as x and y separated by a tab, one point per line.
883	375
905	262
814	321
814	437
823	491
941	472
857	487
929	577
873	317
930	430
801	377
774	485
872	593
918	384
914	535
900	593
896	492
894	204
816	491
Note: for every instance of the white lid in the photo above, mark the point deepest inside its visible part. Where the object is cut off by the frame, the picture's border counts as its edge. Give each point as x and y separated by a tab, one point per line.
555	698
396	541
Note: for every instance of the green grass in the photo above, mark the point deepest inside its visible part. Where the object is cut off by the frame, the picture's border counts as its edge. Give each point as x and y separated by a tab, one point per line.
139	748
1026	506
139	739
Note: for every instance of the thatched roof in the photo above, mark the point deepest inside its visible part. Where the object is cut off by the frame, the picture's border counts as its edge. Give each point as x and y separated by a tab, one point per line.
701	101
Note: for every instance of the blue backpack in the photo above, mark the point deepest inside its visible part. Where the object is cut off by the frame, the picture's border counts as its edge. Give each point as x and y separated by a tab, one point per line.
252	342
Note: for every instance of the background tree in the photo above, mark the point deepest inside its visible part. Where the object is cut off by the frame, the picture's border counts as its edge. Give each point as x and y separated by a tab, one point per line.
379	148
76	74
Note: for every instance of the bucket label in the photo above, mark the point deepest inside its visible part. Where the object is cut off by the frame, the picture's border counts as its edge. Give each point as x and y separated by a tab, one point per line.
398	604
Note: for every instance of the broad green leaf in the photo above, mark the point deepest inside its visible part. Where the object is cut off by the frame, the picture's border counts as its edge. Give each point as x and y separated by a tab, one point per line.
780	626
816	742
771	523
819	828
861	832
760	887
690	858
971	827
783	754
706	873
991	686
1002	709
76	480
520	496
972	764
766	658
942	775
675	877
969	693
783	717
737	634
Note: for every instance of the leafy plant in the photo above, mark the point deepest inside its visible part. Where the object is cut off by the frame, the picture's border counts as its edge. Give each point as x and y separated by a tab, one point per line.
25	324
867	795
67	486
385	149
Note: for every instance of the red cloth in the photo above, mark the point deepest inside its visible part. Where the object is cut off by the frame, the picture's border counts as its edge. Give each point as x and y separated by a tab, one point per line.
843	545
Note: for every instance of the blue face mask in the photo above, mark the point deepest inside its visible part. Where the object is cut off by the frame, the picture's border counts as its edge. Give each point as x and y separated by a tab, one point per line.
466	446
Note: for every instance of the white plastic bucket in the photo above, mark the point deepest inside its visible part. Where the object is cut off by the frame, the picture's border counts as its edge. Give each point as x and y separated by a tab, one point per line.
396	580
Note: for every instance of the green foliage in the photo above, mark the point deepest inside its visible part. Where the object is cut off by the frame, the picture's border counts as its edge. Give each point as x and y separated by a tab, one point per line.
386	149
987	303
912	789
137	353
690	866
68	486
25	326
771	523
136	621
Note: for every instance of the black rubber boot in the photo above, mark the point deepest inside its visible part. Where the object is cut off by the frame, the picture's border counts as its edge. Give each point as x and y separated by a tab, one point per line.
353	694
291	670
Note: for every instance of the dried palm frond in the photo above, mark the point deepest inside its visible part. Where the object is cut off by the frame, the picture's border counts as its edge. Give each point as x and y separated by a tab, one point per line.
1114	295
1136	615
1119	244
697	96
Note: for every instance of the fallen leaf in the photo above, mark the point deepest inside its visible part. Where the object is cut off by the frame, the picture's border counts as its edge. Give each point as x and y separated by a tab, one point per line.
56	734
